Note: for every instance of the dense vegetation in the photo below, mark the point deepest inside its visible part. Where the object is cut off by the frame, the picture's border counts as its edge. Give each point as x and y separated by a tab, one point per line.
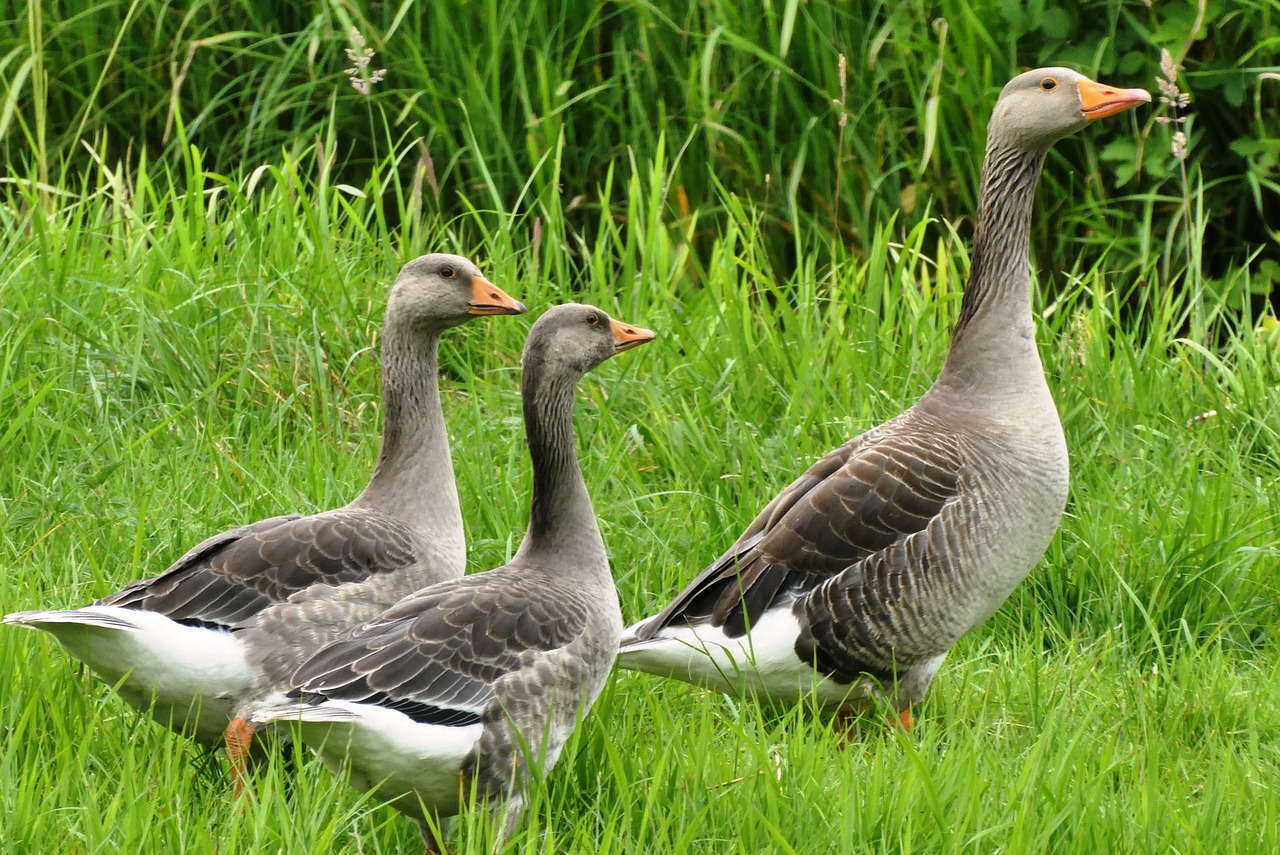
189	306
524	107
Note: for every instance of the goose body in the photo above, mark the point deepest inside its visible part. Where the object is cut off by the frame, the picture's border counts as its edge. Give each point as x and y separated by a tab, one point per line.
240	611
476	683
854	583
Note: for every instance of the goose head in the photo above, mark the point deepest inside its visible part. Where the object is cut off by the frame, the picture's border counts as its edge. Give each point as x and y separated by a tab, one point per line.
439	291
574	338
1040	107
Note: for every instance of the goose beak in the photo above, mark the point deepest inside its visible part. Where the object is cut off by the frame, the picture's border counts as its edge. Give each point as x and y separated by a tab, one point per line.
626	336
1099	100
489	299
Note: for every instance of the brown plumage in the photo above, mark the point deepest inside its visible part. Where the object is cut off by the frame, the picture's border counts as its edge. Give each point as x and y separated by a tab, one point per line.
240	611
478	682
859	577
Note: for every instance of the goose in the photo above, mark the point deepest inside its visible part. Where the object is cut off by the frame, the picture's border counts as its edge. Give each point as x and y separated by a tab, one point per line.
851	586
476	683
242	609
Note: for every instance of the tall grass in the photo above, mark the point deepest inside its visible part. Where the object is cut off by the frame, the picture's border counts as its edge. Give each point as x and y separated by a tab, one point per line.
735	98
174	362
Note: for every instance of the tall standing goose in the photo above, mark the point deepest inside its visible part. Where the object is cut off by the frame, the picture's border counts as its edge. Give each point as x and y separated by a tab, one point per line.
854	583
243	609
477	682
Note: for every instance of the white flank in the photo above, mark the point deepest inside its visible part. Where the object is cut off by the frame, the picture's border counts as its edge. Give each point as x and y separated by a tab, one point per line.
763	661
177	673
385	750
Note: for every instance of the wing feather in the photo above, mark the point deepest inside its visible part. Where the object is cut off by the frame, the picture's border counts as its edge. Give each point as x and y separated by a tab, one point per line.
859	500
232	576
437	654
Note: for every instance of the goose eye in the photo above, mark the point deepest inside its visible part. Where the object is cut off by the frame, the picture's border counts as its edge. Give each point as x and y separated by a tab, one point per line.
593	319
447	272
1048	84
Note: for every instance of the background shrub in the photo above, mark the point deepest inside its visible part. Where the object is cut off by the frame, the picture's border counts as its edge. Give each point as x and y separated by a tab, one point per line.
737	101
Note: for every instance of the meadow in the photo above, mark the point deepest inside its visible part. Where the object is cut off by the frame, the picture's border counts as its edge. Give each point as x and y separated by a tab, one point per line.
188	341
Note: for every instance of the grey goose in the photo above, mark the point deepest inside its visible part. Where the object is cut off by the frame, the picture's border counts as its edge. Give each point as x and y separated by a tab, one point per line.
476	683
852	585
239	612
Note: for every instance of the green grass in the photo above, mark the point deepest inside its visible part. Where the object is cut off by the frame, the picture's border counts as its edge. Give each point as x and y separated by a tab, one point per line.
750	97
172	365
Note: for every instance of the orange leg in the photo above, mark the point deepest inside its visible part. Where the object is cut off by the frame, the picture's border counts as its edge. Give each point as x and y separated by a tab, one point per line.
846	725
239	738
431	843
846	718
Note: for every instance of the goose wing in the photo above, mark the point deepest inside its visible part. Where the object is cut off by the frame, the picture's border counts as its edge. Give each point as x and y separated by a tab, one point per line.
872	492
436	655
232	576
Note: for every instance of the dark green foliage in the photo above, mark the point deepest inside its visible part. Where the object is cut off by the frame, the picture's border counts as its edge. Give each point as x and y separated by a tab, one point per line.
738	99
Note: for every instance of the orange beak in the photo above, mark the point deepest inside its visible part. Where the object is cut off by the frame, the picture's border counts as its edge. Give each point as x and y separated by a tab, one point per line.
626	336
1099	100
489	299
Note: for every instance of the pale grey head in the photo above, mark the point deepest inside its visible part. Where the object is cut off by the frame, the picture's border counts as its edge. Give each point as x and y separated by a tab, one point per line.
439	291
573	338
1040	107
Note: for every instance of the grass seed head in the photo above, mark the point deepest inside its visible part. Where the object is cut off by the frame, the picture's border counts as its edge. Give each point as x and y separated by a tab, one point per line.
1173	99
360	55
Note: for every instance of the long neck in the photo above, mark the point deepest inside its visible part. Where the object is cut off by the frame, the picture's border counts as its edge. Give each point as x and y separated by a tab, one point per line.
561	518
995	326
413	479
